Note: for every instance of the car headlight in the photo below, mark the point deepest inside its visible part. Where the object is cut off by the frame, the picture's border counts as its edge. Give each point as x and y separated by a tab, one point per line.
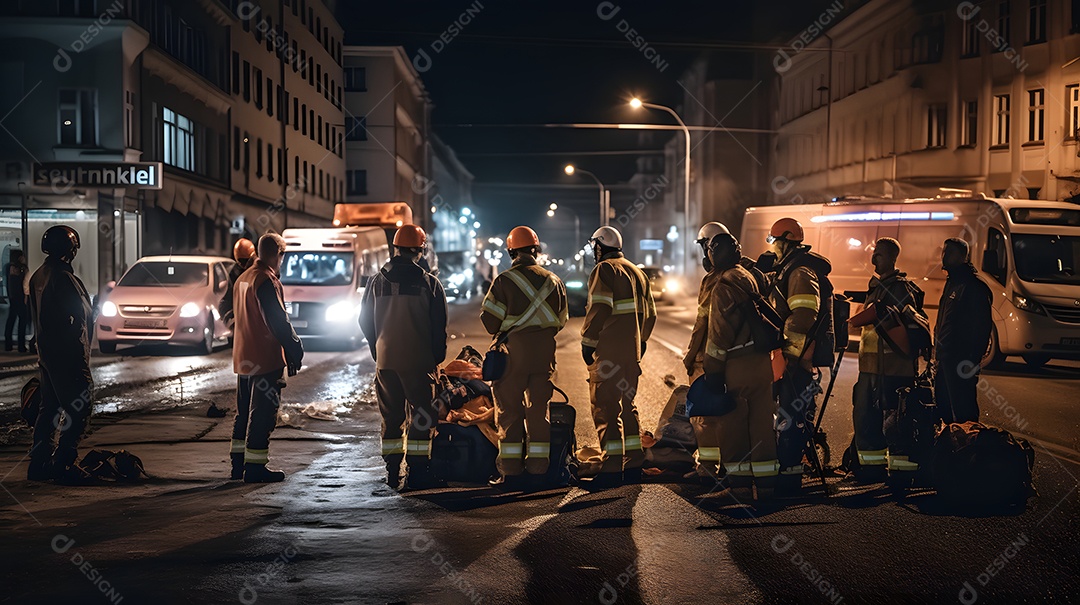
190	310
1026	304
671	285
108	309
340	311
574	284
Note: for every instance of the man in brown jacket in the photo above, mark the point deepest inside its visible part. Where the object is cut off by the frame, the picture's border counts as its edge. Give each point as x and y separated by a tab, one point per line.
618	322
264	345
524	428
747	439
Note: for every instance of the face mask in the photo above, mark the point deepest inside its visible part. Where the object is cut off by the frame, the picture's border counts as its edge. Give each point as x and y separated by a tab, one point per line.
766	262
706	264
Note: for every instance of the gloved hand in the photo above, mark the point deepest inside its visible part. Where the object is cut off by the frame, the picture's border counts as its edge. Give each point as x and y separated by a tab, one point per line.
644	345
689	362
588	354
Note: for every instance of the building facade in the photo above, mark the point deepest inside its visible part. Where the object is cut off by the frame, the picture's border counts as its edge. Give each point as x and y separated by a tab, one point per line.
201	87
388	127
905	98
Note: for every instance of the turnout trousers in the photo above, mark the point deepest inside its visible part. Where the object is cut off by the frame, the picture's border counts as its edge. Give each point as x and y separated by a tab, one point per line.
405	399
521	404
258	398
612	387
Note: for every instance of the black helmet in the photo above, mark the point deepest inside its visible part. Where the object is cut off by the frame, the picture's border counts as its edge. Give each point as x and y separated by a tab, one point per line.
725	250
60	240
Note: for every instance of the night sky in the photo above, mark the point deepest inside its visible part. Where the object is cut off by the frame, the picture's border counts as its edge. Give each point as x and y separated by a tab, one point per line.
554	62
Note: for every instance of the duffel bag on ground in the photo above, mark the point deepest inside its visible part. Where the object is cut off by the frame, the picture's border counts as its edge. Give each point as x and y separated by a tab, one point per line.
462	454
563	468
977	467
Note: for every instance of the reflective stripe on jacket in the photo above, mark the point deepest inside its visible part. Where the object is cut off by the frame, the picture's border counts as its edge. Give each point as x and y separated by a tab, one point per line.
797	300
513	291
700	333
875	354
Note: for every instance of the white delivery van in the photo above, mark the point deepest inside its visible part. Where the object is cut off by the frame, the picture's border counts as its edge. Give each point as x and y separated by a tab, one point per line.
1027	251
324	274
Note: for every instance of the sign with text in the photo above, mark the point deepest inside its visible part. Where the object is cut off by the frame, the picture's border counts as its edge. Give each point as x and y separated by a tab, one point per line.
102	175
652	244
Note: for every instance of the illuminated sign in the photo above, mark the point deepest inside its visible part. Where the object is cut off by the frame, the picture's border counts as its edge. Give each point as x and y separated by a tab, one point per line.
884	216
102	175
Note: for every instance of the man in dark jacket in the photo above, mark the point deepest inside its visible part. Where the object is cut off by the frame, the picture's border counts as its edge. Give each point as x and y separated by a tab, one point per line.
264	346
63	324
962	334
403	316
14	275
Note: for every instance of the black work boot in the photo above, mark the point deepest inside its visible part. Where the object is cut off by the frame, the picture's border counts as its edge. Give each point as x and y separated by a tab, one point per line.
258	473
237	466
74	475
419	476
40	470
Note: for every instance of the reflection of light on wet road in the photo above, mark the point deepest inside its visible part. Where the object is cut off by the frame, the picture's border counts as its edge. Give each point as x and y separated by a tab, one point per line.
347	385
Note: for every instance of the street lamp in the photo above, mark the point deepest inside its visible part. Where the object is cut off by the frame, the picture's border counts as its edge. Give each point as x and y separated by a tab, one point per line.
637	103
571	170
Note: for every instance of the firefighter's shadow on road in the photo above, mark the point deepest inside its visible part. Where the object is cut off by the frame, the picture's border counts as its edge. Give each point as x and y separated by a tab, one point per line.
461	499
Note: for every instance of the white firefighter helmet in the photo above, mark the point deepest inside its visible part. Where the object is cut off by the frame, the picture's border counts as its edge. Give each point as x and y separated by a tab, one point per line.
609	237
709	231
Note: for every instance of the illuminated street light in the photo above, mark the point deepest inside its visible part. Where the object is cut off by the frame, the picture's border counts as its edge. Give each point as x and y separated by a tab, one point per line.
637	103
466	212
476	224
572	170
463	219
554	206
550	213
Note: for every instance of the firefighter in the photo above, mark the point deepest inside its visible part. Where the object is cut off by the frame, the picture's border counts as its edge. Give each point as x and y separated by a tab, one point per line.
523	392
403	316
706	428
747	441
883	371
243	253
618	321
264	347
795	294
63	325
962	334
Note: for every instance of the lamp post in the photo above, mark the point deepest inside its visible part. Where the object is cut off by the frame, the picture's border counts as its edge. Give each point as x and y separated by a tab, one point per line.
577	231
637	103
571	170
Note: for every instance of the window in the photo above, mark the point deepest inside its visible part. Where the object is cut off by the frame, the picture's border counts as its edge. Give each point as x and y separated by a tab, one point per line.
1003	25
1075	13
247	79
78	117
311	124
320	181
356	128
130	128
281	165
236	73
970	124
303	119
996	258
970	43
356	182
936	117
179	140
320	130
303	176
269	97
236	148
355	79
258	157
270	162
1036	113
295	114
1001	120
1036	21
258	88
1072	120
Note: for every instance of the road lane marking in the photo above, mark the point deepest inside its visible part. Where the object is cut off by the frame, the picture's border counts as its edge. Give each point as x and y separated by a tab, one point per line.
667	345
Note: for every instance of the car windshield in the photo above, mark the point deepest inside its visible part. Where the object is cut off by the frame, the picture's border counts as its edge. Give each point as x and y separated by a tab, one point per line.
1049	259
317	268
167	274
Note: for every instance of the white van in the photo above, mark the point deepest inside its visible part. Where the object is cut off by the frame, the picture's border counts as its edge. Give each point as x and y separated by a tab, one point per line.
324	274
1027	251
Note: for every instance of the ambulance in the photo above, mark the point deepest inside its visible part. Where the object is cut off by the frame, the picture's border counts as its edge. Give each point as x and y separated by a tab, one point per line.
1027	251
324	274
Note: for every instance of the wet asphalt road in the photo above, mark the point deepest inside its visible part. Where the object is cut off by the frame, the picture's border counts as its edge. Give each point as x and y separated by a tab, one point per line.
333	533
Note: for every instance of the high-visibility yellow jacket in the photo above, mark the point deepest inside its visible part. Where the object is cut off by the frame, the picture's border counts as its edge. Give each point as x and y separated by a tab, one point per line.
729	330
621	312
513	290
797	300
700	334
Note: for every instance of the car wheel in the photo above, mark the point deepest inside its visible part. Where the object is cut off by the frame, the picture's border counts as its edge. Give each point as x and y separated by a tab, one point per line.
1036	360
994	359
207	345
107	346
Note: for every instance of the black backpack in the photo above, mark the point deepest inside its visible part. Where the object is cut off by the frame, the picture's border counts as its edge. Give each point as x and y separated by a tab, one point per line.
563	469
462	454
982	468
